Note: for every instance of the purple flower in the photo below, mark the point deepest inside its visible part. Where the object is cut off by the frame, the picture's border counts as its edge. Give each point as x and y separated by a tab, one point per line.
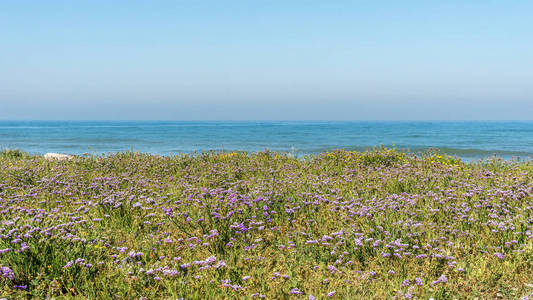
499	255
276	275
442	278
409	294
5	250
23	247
132	254
6	272
220	264
332	269
419	281
295	291
330	294
69	264
185	266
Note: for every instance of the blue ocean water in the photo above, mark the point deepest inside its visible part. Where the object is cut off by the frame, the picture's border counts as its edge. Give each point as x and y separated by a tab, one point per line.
468	140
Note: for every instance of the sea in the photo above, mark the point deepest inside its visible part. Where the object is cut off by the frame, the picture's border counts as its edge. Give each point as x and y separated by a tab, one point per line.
472	140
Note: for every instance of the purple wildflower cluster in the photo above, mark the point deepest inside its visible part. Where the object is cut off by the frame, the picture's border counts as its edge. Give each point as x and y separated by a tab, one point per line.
6	272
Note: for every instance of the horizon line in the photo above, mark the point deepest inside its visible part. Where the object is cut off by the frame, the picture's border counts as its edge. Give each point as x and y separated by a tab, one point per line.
266	120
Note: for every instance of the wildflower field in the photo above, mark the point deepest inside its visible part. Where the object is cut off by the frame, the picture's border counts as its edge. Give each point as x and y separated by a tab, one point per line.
339	225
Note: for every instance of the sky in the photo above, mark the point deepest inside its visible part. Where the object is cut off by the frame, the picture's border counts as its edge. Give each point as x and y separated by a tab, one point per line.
266	60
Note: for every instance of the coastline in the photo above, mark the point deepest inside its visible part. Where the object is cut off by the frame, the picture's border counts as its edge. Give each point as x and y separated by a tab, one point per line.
524	157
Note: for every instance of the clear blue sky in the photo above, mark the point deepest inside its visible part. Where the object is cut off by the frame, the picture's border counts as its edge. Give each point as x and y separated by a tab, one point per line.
295	60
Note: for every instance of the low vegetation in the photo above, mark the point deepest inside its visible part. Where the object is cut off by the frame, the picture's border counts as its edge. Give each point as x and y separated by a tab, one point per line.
339	225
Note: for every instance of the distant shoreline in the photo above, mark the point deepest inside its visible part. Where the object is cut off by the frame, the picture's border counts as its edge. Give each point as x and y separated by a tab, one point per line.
421	154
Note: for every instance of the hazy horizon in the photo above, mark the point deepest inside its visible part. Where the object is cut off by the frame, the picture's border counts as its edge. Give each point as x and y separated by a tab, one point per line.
239	60
278	120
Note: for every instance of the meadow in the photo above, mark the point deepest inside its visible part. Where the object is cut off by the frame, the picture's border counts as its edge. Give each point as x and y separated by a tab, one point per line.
338	225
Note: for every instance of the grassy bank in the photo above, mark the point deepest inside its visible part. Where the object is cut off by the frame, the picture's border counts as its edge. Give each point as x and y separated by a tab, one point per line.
344	225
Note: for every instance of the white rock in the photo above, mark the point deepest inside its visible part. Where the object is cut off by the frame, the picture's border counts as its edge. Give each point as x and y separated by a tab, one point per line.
57	156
